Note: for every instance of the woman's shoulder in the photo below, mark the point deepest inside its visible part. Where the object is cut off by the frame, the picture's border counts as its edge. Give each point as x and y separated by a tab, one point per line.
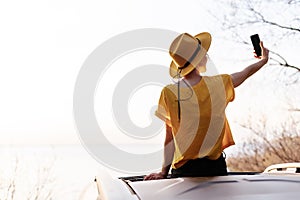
217	77
170	88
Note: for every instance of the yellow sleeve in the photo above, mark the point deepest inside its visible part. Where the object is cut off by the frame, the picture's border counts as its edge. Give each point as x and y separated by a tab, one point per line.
162	110
229	88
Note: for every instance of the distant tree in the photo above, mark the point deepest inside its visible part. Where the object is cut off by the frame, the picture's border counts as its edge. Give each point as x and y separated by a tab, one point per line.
15	185
280	145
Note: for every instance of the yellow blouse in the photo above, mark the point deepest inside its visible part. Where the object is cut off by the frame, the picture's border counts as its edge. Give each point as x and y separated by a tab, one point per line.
203	129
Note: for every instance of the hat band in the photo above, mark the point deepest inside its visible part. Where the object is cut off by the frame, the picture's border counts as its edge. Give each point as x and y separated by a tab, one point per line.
188	62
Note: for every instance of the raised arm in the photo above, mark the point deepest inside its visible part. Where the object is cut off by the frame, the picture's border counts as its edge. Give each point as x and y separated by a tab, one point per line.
168	156
239	77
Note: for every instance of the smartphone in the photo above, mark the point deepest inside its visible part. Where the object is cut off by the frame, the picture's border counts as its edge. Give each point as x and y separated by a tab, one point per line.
255	42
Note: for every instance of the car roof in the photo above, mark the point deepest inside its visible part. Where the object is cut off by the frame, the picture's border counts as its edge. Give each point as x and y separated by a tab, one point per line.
271	184
233	187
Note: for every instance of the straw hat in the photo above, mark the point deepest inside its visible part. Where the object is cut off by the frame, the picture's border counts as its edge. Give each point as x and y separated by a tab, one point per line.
187	51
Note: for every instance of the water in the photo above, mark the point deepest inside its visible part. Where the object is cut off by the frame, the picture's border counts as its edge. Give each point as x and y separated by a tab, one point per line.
61	172
57	171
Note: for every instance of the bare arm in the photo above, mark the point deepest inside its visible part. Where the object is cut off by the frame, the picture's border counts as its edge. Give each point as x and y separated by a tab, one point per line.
239	77
169	149
168	156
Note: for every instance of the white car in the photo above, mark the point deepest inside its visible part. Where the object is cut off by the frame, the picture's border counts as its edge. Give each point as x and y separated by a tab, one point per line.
277	182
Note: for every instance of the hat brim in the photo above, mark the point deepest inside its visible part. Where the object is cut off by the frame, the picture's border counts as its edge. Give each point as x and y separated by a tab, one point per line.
205	39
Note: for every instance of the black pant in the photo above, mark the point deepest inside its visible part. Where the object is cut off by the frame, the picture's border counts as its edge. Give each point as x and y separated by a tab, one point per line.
201	167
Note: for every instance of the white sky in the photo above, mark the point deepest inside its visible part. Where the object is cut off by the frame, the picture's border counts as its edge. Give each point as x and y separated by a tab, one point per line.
44	43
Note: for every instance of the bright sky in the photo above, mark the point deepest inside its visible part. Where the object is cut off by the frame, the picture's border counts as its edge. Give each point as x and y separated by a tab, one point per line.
44	43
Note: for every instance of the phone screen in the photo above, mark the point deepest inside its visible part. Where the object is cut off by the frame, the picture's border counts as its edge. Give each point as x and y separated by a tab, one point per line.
255	42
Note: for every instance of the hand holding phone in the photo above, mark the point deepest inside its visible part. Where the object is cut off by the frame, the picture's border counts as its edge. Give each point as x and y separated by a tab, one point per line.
255	42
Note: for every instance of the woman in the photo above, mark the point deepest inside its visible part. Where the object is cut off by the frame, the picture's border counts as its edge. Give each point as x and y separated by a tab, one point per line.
197	130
